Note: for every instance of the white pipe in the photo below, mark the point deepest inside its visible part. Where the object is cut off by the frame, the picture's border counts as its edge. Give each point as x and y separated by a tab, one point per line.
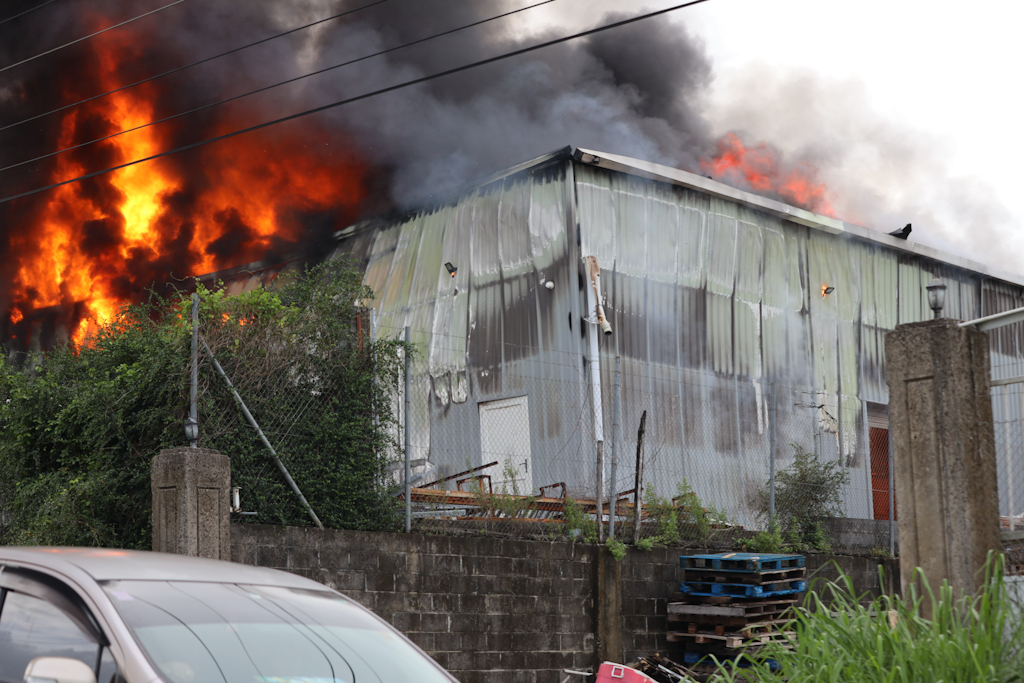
593	302
595	359
991	322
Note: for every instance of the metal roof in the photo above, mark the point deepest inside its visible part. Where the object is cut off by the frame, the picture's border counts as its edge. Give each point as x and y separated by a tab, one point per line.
647	169
675	176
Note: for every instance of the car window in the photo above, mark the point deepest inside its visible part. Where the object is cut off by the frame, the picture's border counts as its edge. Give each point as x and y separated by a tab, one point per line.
197	631
30	628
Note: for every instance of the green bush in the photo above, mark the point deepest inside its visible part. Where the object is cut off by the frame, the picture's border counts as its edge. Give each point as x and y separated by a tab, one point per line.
79	430
807	493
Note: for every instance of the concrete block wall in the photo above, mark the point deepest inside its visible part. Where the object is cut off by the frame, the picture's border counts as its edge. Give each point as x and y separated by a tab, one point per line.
650	579
499	610
486	609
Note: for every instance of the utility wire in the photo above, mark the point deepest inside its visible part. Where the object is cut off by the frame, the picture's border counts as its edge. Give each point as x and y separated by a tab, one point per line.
269	87
21	14
357	98
91	35
187	66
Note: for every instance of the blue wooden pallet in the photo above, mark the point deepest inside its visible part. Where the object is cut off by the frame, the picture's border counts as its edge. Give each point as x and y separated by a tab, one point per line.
740	590
741	562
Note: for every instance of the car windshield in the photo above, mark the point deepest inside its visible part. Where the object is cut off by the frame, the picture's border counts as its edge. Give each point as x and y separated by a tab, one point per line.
203	632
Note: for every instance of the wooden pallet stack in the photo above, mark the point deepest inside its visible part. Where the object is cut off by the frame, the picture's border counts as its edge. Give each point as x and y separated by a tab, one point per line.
734	602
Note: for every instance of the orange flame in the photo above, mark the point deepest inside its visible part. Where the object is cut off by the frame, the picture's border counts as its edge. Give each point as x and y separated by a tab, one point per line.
759	168
99	242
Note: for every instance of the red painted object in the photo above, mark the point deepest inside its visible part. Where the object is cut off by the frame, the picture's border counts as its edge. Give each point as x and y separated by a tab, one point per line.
618	673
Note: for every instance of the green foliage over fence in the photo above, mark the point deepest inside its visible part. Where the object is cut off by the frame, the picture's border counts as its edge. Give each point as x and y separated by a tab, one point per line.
78	431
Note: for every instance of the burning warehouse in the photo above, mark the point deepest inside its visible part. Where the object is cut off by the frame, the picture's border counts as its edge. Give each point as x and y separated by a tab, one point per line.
737	317
738	320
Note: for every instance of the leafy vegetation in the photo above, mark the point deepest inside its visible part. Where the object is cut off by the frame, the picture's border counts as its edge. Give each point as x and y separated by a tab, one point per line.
807	493
683	519
616	547
578	524
80	429
841	636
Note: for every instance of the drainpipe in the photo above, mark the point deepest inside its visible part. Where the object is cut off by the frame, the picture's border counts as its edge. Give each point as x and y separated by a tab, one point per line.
597	321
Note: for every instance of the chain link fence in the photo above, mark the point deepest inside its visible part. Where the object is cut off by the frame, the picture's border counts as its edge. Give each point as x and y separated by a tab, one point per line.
1008	423
302	406
513	448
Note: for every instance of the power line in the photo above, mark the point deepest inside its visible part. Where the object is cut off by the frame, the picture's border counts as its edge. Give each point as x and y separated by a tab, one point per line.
21	14
268	87
357	98
91	35
187	66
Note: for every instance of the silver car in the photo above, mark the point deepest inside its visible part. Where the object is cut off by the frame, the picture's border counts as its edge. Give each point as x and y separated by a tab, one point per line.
91	615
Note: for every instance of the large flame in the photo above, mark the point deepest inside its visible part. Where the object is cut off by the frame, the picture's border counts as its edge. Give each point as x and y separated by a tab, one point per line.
760	168
99	242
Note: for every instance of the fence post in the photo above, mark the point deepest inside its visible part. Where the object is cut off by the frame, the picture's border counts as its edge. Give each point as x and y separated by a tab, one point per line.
616	419
193	410
638	498
772	413
892	501
408	440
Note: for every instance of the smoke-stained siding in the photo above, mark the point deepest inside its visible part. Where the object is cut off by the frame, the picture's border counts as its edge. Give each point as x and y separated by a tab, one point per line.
713	301
492	331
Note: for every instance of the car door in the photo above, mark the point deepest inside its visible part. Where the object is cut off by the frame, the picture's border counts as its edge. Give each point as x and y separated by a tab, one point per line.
42	617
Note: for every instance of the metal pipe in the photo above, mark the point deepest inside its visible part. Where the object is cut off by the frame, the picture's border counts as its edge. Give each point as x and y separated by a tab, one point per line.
193	411
638	488
595	389
273	454
600	492
616	420
1010	503
892	500
990	322
771	457
408	440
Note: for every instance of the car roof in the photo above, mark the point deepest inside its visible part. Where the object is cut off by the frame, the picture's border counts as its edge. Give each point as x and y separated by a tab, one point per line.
112	564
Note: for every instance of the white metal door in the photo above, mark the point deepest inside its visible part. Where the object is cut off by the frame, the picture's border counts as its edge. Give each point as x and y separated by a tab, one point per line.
505	437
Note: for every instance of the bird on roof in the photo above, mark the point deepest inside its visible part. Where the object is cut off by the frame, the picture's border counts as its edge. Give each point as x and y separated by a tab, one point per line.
902	234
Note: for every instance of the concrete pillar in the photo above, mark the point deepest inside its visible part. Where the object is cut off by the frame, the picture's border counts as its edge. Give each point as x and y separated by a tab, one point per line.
192	502
609	607
940	414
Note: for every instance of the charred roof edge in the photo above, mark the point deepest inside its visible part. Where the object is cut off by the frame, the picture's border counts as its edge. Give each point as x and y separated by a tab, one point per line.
654	171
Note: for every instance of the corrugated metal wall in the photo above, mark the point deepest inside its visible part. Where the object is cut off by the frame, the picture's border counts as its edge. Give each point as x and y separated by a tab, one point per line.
712	303
495	330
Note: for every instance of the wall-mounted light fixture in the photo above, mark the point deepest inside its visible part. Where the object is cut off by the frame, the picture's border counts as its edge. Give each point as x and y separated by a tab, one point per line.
936	296
826	290
450	268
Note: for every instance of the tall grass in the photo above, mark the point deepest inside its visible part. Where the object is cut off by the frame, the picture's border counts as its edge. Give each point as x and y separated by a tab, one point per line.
840	637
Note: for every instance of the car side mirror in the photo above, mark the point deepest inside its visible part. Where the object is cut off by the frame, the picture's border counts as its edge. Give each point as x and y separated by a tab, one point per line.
58	670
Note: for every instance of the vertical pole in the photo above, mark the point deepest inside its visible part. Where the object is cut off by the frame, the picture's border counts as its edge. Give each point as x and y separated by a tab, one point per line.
193	411
638	498
408	440
772	408
892	500
600	492
1010	502
593	309
616	420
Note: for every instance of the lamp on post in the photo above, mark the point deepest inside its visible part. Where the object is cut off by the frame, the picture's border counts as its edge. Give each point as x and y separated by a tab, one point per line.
936	296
